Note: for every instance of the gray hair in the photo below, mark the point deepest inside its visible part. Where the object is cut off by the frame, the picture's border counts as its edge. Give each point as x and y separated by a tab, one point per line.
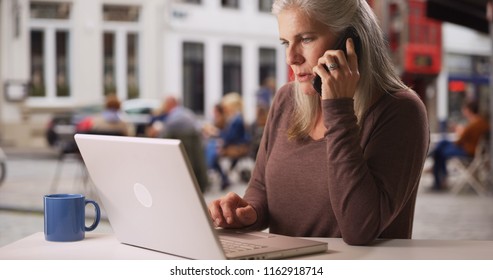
377	74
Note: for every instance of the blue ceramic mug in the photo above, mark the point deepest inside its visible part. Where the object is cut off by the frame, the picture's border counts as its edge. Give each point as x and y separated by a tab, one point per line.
64	217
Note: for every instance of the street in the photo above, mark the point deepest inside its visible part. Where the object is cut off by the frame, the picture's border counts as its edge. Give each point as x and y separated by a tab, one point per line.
30	175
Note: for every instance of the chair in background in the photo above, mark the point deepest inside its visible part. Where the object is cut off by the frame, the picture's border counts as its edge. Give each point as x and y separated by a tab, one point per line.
195	151
239	158
473	172
70	151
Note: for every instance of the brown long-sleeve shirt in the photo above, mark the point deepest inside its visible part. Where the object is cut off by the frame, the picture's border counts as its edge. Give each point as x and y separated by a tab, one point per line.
358	184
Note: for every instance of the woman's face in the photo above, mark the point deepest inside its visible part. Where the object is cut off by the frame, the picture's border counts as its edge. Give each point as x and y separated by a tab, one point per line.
305	40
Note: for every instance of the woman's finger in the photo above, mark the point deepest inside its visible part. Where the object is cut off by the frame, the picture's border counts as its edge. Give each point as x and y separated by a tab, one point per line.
228	206
246	215
352	57
215	213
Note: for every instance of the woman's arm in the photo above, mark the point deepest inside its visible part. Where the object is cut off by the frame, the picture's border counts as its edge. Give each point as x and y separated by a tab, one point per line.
370	183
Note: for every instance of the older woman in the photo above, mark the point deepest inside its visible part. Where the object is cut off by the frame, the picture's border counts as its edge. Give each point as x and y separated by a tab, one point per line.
346	163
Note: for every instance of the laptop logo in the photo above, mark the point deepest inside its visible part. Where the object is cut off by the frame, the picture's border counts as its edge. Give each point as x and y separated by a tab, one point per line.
142	194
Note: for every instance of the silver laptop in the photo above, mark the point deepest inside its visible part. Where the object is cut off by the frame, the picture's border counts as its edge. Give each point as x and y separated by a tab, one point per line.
151	197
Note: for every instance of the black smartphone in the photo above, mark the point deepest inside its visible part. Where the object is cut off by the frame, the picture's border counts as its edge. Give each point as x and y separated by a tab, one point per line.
350	32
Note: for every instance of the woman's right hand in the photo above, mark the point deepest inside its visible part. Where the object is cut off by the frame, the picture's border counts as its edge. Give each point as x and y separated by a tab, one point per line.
231	211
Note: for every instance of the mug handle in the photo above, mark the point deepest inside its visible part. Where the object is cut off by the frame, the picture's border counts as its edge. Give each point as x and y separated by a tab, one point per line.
98	215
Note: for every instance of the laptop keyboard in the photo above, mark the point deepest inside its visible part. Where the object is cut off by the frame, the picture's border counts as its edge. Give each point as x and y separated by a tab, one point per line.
231	246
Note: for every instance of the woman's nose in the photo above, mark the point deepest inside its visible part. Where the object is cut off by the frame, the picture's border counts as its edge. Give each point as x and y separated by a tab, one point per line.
293	56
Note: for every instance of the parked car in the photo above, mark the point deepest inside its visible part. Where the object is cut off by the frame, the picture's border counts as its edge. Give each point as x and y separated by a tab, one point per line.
139	112
62	125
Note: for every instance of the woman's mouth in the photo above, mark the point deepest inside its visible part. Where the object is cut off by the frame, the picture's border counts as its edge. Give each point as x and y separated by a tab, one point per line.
304	77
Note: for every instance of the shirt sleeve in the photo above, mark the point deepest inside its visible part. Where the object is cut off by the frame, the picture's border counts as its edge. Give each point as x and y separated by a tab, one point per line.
371	180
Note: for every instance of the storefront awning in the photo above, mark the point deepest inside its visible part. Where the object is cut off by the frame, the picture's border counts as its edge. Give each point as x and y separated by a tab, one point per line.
469	13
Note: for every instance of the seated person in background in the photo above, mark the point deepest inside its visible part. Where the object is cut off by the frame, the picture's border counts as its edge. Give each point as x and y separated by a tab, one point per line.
179	120
235	136
465	146
266	92
234	139
214	130
108	122
156	123
181	123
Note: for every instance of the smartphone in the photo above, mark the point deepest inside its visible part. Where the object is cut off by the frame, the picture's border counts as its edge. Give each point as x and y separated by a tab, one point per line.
350	32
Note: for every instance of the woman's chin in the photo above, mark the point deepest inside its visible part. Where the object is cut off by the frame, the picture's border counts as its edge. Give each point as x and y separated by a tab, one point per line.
307	88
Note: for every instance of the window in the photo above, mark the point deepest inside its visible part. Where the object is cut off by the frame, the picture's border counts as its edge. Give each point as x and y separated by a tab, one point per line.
233	4
267	61
481	65
232	75
468	79
62	66
132	66
50	50
193	76
121	13
121	51
459	64
37	66
265	5
109	80
47	10
121	73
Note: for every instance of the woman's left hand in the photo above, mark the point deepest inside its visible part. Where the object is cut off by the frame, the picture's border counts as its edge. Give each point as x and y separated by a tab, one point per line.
341	81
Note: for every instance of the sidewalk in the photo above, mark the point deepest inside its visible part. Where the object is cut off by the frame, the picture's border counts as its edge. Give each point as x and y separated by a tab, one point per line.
29	178
32	175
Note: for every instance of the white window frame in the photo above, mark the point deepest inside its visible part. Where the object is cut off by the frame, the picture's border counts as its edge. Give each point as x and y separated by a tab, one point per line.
49	28
121	30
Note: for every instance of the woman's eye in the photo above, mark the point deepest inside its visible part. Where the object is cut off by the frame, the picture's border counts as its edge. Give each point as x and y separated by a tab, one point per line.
307	40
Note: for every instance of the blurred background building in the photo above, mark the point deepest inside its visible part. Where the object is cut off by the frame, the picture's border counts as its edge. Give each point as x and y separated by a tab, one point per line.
59	55
444	62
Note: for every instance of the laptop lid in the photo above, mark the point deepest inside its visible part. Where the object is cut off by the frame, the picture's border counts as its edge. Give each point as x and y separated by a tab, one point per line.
149	192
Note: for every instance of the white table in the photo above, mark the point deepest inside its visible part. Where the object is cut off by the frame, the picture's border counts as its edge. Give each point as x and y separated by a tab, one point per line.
106	246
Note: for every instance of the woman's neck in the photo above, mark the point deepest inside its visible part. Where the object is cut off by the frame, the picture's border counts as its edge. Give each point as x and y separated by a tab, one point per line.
318	130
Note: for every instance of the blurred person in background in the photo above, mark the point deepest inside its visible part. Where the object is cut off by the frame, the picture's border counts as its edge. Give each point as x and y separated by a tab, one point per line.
468	137
265	95
266	92
213	133
107	122
181	123
214	129
178	120
157	121
345	162
233	140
